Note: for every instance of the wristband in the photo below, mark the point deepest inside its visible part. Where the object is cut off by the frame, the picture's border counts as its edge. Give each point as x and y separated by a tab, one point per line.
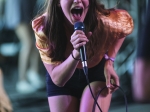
74	57
109	58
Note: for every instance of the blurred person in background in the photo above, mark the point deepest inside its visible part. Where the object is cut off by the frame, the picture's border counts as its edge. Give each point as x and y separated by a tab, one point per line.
5	103
141	76
18	14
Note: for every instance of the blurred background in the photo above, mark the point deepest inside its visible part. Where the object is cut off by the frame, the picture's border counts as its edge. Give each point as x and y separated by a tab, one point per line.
22	74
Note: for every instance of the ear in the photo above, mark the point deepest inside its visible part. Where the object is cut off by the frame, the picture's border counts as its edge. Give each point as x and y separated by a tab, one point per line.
59	4
89	34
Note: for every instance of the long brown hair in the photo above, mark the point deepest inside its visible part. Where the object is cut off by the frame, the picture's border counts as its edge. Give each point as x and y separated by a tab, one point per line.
54	28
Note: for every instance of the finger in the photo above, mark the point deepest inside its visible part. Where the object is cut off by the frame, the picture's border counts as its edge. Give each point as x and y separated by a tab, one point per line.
79	39
89	34
108	81
77	46
77	32
112	89
115	82
116	79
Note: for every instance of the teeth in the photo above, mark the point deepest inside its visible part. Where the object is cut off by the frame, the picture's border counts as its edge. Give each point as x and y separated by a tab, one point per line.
77	8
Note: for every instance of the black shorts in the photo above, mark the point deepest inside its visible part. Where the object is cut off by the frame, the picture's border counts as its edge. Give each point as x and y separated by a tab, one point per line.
77	82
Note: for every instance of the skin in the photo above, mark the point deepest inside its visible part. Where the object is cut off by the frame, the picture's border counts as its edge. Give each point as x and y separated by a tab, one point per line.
67	5
62	72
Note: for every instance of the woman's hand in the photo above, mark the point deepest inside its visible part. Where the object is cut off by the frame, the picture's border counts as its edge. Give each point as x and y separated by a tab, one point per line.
79	39
111	76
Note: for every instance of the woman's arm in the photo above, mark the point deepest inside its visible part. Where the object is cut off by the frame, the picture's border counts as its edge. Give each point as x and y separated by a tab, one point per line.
113	50
109	69
124	23
62	72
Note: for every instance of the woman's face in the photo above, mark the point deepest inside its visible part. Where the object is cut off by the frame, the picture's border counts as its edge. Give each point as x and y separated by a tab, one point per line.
74	10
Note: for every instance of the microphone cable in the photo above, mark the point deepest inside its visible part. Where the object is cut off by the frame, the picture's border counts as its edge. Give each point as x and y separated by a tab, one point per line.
95	99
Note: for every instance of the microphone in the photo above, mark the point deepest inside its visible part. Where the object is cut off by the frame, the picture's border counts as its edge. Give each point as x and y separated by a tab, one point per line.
80	26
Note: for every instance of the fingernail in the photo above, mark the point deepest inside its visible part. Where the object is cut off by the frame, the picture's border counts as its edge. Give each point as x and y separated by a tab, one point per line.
108	86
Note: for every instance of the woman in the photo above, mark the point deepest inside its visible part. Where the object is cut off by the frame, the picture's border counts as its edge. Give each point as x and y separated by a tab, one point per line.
59	44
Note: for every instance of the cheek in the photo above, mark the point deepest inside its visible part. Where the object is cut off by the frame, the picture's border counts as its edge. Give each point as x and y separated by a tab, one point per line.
65	11
85	3
65	6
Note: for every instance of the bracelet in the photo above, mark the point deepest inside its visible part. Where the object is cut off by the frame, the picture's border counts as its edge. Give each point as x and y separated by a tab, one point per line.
109	58
74	57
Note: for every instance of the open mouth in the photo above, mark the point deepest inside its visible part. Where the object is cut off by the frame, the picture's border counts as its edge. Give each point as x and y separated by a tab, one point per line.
77	12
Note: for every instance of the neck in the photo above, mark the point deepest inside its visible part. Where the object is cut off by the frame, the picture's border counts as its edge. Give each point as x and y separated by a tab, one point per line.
68	26
69	29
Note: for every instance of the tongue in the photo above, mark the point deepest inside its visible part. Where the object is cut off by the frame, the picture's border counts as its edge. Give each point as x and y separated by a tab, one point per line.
76	16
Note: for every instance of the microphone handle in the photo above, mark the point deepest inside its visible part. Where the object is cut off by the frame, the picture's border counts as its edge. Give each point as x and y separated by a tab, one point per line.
83	58
80	26
83	53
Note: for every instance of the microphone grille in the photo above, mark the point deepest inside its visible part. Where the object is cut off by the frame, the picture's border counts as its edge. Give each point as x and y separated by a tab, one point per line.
79	26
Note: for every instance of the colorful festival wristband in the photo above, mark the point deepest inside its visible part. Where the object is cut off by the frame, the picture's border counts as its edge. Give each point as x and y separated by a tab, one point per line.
109	58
